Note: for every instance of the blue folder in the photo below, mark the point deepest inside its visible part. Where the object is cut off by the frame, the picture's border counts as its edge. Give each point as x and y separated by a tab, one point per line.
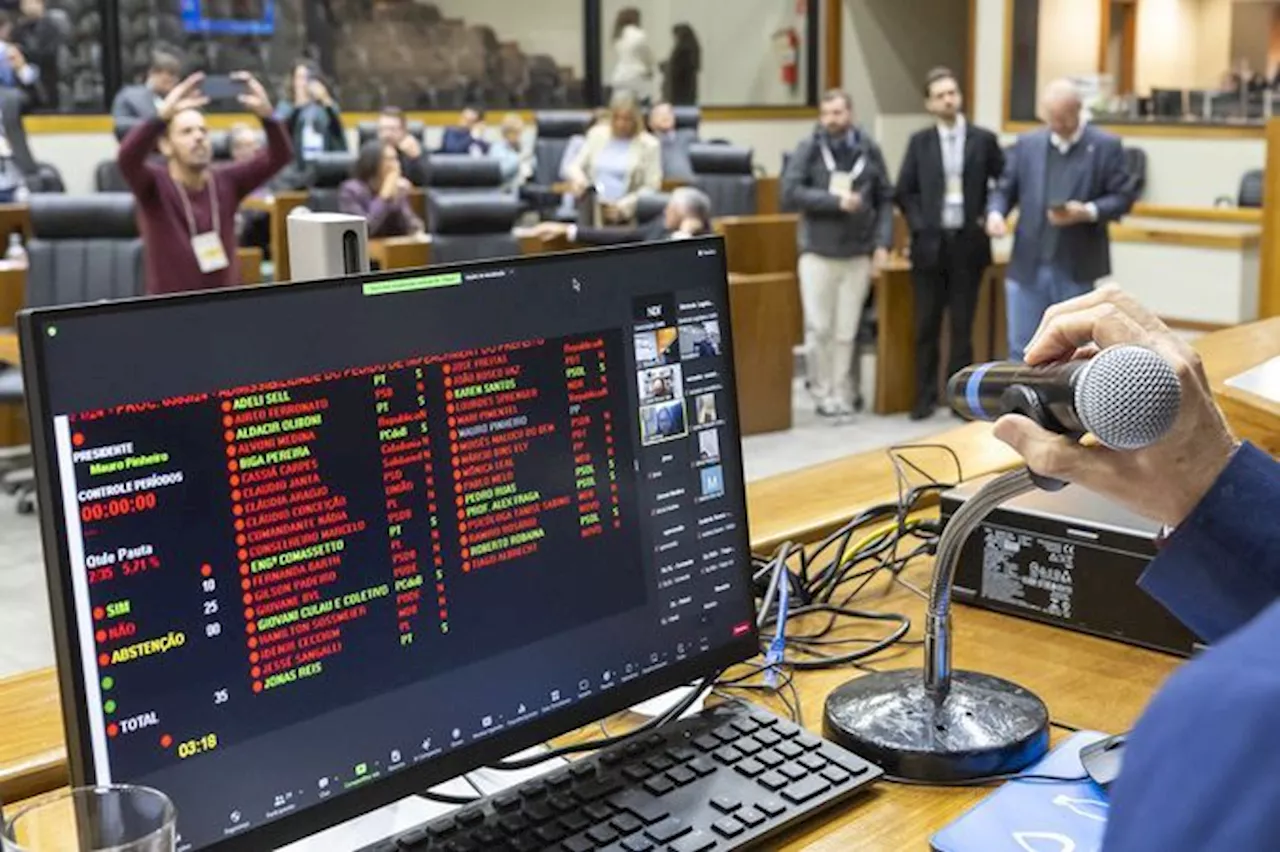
1036	816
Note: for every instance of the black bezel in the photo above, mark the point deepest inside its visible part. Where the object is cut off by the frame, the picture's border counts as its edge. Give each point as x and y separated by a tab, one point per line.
405	782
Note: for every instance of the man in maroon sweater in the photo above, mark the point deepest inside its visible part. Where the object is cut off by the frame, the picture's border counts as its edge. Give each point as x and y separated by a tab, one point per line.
187	208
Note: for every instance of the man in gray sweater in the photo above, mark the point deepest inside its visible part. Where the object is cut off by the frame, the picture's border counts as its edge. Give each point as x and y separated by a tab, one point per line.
838	182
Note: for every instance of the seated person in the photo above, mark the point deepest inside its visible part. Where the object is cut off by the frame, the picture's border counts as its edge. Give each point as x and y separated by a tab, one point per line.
134	104
311	114
252	226
687	214
619	160
378	191
393	130
574	147
15	71
675	143
468	136
514	160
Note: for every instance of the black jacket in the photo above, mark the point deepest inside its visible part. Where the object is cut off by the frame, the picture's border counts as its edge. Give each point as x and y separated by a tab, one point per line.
825	229
922	188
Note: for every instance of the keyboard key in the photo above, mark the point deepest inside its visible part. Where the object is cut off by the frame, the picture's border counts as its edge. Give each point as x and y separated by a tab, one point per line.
746	724
533	790
748	745
725	804
695	842
770	758
750	817
598	811
475	816
667	830
563	804
851	763
655	740
602	834
381	846
579	844
659	762
487	837
727	827
559	781
626	823
808	742
803	791
682	775
702	766
441	829
726	733
789	733
639	843
659	785
767	737
773	781
548	833
750	767
835	774
506	802
787	748
634	749
524	843
680	754
582	770
706	742
513	824
612	758
636	772
640	803
772	807
538	812
793	771
727	755
574	822
460	844
765	720
597	788
813	761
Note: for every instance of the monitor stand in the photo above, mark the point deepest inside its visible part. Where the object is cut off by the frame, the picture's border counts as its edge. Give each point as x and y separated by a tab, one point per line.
403	815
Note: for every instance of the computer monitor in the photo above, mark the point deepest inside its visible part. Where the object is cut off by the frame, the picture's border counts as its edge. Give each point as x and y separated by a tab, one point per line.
315	547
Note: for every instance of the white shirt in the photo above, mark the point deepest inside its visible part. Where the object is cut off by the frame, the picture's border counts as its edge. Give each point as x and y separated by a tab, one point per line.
952	140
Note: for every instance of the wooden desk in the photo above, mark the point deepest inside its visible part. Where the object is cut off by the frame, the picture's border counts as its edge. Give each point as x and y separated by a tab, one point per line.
278	207
250	258
761	309
761	244
1230	352
400	252
15	217
895	333
32	751
13	292
9	353
768	195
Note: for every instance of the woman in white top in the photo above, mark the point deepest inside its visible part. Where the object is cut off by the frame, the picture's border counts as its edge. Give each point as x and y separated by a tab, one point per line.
633	69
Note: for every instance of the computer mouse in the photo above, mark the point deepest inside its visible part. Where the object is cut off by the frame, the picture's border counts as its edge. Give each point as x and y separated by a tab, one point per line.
1103	760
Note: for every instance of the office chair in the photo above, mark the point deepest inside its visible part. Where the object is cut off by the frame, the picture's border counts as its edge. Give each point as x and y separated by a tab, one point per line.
471	225
1166	103
326	172
554	130
651	205
1251	187
82	249
726	175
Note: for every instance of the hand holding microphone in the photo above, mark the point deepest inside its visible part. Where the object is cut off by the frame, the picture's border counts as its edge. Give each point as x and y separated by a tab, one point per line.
1163	480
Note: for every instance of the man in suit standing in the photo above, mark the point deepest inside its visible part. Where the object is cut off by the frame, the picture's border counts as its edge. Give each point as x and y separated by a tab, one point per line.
1068	180
136	104
942	191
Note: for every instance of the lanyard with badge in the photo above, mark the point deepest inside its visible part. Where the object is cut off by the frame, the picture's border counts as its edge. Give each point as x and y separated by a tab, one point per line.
841	182
210	255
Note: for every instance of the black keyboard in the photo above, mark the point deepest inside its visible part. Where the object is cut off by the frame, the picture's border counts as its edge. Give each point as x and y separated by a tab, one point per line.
725	779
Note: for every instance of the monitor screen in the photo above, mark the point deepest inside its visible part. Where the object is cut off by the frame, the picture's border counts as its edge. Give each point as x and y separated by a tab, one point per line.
229	17
316	547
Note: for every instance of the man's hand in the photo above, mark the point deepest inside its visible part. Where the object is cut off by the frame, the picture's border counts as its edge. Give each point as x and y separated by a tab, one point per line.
1071	213
1164	481
184	96
879	258
850	202
690	226
548	231
319	93
410	146
17	61
255	99
997	228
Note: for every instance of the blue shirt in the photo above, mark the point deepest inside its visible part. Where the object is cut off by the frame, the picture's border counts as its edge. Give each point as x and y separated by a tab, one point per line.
612	169
1202	767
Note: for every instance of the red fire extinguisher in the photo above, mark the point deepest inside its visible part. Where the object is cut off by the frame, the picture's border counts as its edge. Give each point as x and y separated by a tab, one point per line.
788	42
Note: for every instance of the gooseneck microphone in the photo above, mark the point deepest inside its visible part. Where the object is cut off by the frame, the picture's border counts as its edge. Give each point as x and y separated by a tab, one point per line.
1127	396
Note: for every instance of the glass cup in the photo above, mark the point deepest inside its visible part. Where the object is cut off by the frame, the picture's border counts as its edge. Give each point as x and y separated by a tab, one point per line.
112	818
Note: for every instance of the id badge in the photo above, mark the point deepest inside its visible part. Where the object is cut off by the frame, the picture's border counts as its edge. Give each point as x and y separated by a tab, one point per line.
840	183
210	254
955	191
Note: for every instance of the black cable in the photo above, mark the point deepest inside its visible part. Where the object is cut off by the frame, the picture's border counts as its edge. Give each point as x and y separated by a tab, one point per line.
449	799
990	779
1064	726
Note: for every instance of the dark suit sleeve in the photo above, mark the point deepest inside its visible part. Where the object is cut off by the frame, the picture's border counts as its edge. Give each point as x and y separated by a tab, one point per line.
995	159
1222	565
124	114
908	195
1118	189
1005	195
417	170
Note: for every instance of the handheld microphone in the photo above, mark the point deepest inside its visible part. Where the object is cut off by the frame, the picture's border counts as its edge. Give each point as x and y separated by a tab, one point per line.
1127	396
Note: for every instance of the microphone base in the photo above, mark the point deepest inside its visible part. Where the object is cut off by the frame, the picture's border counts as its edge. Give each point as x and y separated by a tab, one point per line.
985	726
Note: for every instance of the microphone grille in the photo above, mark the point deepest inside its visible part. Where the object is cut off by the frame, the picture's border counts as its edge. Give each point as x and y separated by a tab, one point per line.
1128	396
